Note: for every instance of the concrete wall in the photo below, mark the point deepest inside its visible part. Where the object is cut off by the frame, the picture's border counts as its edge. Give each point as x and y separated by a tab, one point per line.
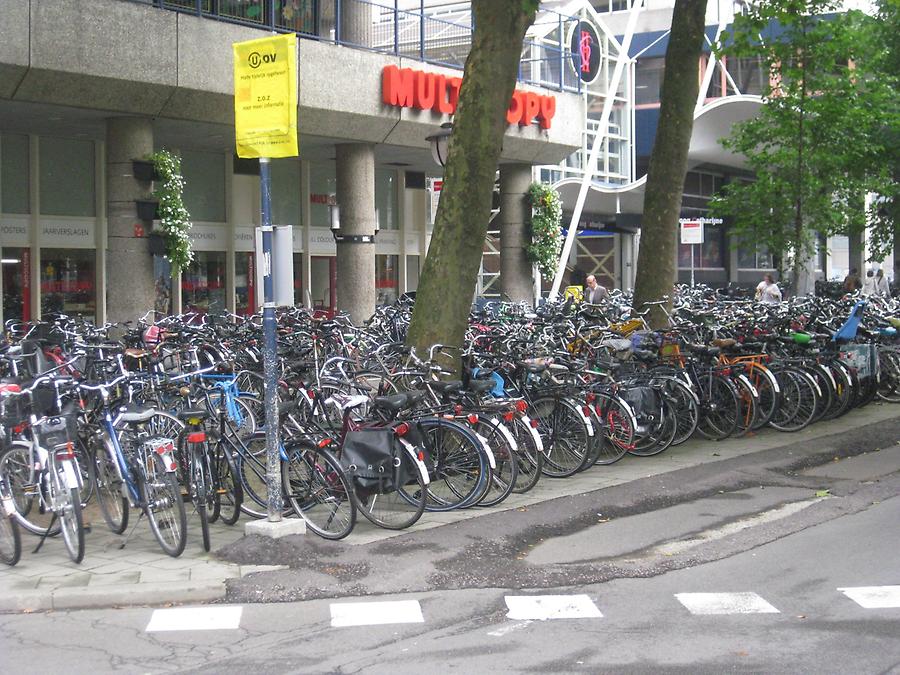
125	57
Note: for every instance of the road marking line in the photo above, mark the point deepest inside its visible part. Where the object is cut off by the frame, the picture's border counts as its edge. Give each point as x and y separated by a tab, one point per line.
874	597
195	618
543	607
725	603
375	613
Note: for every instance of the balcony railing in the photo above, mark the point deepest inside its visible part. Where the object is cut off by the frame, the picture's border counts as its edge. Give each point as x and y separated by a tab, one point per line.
438	35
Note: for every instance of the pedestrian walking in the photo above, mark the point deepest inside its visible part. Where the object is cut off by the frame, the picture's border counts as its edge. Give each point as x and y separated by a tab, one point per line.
882	287
767	291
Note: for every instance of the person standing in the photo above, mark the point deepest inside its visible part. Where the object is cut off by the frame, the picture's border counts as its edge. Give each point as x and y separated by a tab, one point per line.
852	282
869	283
882	287
767	292
594	292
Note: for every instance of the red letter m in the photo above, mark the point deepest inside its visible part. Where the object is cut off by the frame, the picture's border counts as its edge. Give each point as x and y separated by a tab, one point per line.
397	86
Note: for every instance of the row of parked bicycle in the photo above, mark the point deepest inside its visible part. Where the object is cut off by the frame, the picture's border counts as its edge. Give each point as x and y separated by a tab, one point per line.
169	417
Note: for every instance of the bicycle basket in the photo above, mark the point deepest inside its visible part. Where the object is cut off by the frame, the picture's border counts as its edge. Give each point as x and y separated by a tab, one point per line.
57	430
371	458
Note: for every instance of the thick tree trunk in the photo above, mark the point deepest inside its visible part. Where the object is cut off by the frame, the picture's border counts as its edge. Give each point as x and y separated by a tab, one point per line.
668	161
447	283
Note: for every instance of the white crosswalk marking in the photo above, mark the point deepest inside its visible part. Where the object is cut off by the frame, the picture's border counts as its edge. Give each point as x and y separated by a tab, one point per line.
375	613
874	597
195	618
725	603
543	607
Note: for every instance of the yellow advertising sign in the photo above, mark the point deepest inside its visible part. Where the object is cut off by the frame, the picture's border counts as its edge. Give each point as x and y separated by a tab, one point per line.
265	97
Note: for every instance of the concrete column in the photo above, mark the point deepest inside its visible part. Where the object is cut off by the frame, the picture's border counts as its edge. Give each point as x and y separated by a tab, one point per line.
356	23
129	265
356	259
516	280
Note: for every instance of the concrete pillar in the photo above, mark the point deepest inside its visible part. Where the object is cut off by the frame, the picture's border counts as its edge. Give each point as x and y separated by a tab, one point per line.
516	280
356	259
356	23
129	265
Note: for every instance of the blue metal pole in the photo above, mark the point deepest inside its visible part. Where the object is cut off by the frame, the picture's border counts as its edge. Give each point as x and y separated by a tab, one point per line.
422	30
275	505
337	21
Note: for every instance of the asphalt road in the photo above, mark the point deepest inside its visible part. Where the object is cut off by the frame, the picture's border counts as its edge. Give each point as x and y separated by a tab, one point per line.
627	585
644	627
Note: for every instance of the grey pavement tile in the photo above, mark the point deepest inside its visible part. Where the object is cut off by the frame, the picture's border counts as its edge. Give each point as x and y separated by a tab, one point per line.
154	576
211	574
18	584
119	579
69	580
137	594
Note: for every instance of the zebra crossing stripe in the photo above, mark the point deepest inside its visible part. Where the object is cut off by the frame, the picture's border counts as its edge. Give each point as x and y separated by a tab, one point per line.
725	603
375	613
874	597
543	607
195	618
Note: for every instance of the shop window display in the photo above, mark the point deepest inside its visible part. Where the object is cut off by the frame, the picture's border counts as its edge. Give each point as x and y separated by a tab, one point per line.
68	282
203	283
16	284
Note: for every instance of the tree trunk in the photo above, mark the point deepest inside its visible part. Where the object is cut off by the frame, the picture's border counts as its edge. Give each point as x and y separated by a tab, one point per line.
447	283
668	161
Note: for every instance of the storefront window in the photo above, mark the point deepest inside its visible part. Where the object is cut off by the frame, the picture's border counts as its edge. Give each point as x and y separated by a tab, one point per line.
387	279
412	272
322	194
285	192
204	185
162	273
67	282
709	254
67	177
16	267
386	199
203	283
648	76
14	173
755	259
298	280
322	292
244	283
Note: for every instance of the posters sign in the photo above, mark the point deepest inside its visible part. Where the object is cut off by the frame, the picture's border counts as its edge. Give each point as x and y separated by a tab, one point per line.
265	97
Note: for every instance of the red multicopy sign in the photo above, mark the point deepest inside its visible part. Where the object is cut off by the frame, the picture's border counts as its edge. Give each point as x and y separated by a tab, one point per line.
408	88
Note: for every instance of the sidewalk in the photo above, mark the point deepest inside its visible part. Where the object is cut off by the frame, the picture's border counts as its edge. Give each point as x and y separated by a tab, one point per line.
141	574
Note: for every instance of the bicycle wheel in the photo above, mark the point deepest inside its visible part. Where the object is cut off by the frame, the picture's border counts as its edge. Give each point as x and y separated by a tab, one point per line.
318	490
748	399
229	493
200	491
108	486
719	407
889	384
529	453
23	481
164	506
396	502
461	470
506	470
659	428
10	539
769	394
798	400
565	434
843	397
615	425
66	502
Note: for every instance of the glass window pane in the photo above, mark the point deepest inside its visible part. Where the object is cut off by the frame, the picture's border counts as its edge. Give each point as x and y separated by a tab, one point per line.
244	283
14	173
204	185
67	177
162	272
203	283
298	280
67	282
16	284
746	257
387	279
412	272
322	193
386	199
285	192
648	76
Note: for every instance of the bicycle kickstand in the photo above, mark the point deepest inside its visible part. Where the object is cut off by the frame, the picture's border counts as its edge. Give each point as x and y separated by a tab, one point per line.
46	534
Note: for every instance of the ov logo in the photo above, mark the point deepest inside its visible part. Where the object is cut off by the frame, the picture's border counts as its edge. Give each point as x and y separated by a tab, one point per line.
256	59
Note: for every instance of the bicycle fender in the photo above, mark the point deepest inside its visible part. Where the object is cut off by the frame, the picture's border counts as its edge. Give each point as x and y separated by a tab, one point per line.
70	475
420	465
586	420
535	436
487	449
505	433
747	383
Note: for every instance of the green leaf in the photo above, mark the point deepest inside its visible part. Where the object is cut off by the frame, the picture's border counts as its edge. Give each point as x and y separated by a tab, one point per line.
823	493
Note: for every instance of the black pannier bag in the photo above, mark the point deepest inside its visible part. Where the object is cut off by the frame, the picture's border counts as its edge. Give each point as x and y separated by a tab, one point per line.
372	459
646	403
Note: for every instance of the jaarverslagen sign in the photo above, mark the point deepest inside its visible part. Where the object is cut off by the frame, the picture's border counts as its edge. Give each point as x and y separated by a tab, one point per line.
265	97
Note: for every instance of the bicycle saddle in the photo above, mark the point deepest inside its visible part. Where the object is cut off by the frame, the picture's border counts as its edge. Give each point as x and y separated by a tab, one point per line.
393	403
446	387
195	413
134	413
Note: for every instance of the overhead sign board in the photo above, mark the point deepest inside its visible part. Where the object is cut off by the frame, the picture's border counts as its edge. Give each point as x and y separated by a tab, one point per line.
265	97
587	55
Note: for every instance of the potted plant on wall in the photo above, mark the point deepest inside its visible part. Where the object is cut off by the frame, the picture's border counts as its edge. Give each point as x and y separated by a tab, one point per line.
546	235
174	220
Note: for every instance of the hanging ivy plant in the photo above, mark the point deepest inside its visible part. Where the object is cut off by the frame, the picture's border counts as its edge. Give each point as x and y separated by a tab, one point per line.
173	217
546	239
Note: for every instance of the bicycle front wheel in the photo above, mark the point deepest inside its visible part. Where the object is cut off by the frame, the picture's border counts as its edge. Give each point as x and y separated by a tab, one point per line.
23	481
10	539
108	487
318	490
66	502
396	502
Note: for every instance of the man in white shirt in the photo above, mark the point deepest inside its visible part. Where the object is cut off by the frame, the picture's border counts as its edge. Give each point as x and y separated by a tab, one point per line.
767	292
882	287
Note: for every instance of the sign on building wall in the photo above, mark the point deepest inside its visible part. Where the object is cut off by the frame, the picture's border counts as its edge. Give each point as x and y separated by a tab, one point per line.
265	97
691	232
587	54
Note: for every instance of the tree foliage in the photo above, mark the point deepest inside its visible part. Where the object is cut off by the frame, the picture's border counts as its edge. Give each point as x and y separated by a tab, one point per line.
820	141
449	275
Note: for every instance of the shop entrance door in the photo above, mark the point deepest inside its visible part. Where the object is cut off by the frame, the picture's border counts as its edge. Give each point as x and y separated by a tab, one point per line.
323	282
